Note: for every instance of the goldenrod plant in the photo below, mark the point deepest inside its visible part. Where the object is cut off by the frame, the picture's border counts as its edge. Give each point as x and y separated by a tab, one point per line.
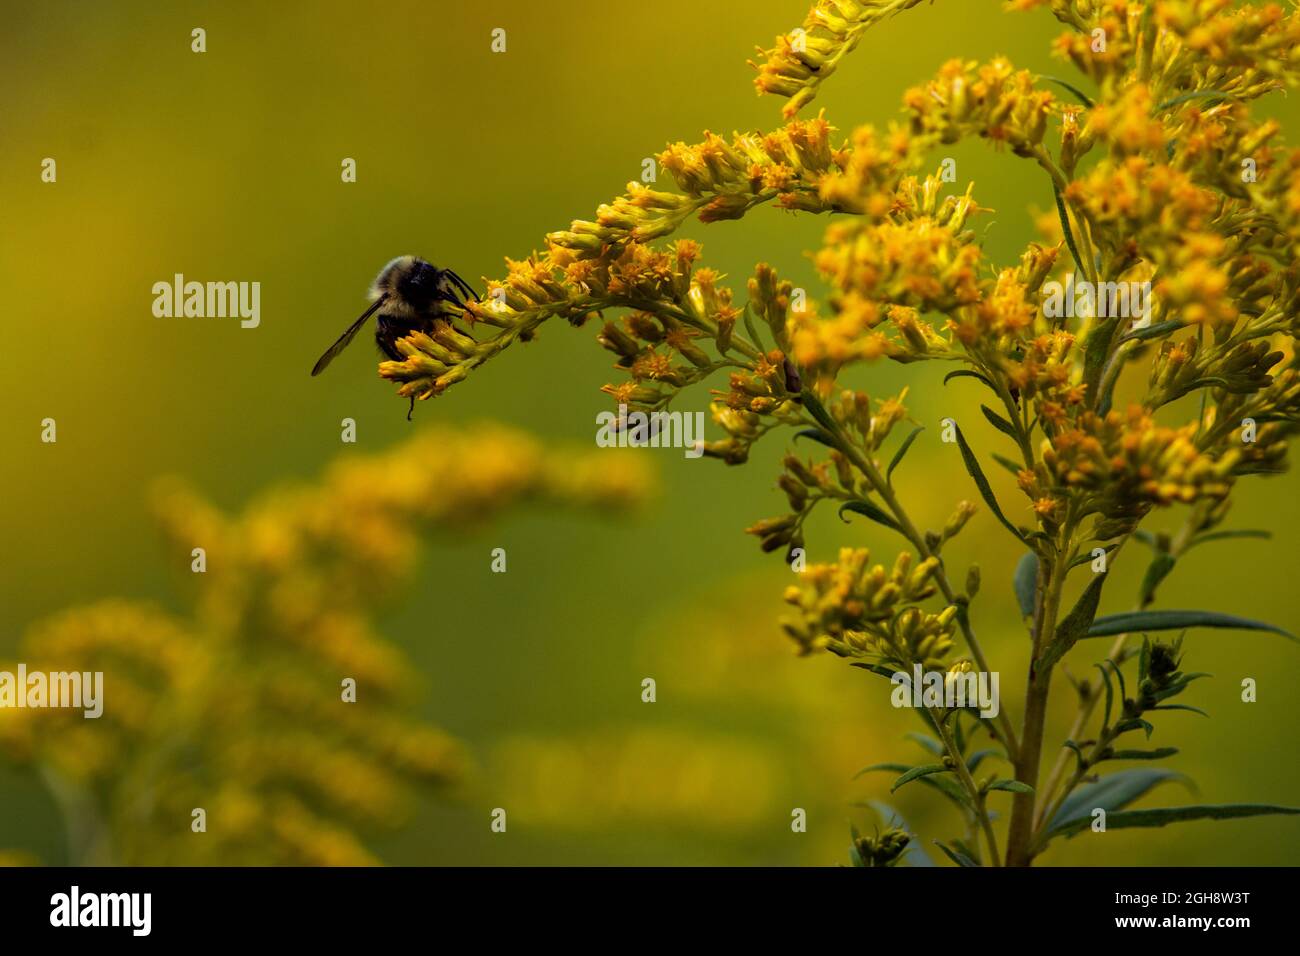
1172	282
273	723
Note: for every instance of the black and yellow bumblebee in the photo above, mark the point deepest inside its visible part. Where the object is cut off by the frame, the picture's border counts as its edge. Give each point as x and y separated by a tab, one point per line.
410	295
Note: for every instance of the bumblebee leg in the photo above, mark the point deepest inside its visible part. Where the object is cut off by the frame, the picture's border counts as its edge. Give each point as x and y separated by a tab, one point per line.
411	411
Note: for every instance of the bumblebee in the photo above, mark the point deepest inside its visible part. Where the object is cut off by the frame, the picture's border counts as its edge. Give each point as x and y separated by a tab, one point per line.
409	295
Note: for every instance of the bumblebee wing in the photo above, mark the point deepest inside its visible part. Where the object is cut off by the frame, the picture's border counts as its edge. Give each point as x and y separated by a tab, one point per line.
346	338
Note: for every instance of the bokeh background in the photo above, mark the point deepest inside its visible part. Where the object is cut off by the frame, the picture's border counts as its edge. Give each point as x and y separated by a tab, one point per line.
225	166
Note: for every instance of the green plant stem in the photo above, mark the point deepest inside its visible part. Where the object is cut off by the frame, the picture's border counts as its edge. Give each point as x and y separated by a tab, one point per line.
1088	699
1006	731
1049	808
964	775
1051	578
1003	728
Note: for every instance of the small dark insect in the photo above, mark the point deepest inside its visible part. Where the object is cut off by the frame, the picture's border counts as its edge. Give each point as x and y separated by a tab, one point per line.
410	295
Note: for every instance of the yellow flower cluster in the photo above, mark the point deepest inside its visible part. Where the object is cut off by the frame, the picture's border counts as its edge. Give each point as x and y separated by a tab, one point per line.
994	101
1122	463
606	263
806	56
854	609
241	708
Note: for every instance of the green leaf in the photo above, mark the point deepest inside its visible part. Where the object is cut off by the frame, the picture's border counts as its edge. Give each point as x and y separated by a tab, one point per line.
1075	624
1095	355
818	411
977	474
1105	679
1222	535
968	373
927	743
1134	723
1000	423
863	507
975	759
1081	96
1082	761
1119	676
1112	792
923	771
1147	538
1194	710
1158	817
961	859
1153	331
1133	621
1157	571
902	450
1067	229
948	786
1013	786
1011	466
817	436
1160	753
1195	95
1025	582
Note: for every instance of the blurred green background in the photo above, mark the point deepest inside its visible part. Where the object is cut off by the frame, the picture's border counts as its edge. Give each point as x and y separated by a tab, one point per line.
225	166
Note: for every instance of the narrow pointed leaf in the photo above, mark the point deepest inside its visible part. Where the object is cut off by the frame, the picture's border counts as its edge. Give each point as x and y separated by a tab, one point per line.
1025	582
1075	624
1081	96
902	450
967	373
1154	331
1068	229
977	474
817	436
1160	816
948	786
958	857
1012	786
923	771
927	743
975	759
1194	710
1160	753
1175	621
1223	535
1134	723
1111	793
1011	466
863	507
818	411
1000	423
1110	693
1157	571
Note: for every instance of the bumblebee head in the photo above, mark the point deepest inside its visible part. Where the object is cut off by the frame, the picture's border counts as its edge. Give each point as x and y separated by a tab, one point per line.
410	286
413	288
